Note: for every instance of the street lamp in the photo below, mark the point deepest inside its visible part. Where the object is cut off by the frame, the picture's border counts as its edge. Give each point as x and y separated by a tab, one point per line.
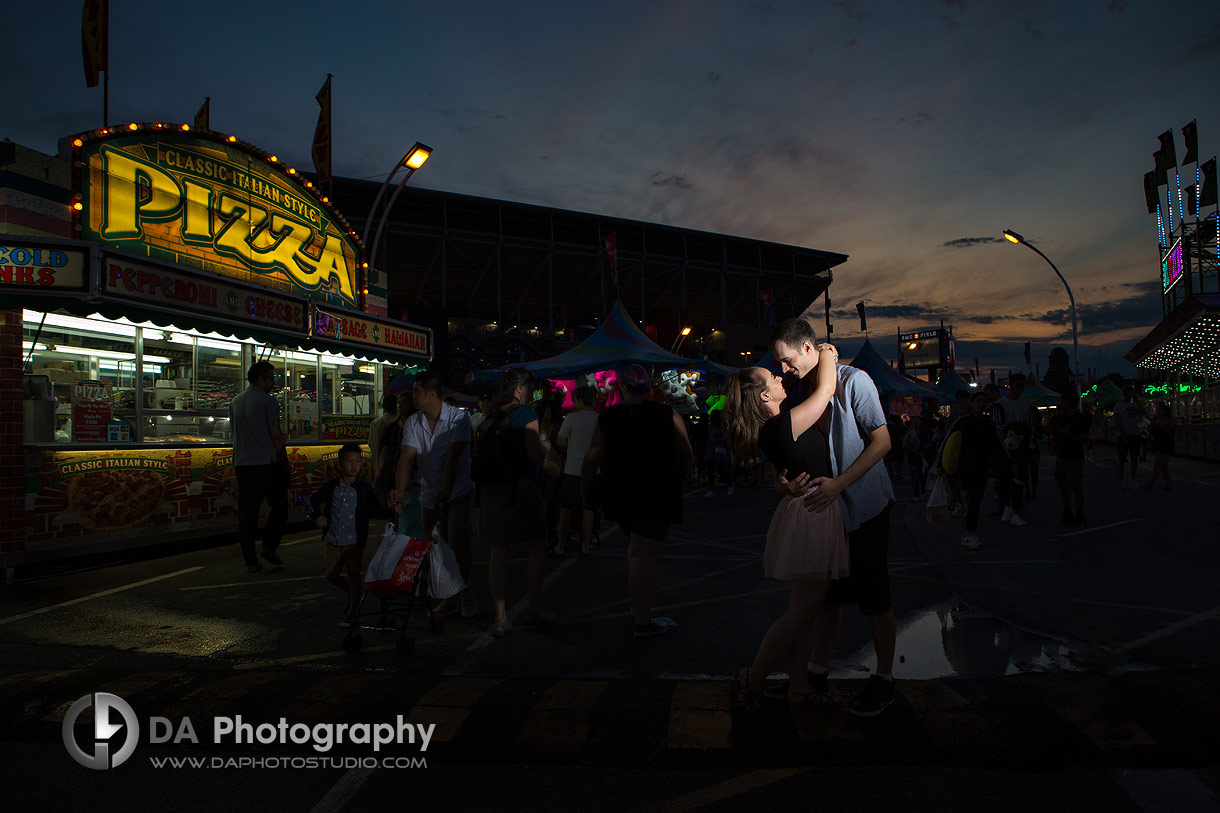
413	160
681	338
1013	237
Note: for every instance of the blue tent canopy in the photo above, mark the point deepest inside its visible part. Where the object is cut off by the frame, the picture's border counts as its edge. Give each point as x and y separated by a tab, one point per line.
948	383
617	341
890	383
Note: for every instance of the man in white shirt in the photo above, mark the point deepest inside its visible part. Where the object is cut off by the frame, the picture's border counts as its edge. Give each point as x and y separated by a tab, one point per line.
437	439
574	436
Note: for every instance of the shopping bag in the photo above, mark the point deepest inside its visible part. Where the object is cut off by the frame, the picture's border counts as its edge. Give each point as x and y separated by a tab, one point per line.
938	501
446	577
396	562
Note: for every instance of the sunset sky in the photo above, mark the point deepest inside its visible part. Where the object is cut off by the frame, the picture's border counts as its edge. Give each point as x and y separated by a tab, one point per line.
907	135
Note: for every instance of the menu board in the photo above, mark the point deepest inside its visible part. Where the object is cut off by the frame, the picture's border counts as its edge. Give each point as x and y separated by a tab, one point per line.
91	405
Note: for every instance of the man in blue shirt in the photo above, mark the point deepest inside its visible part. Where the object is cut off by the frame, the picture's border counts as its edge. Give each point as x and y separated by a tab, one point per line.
864	487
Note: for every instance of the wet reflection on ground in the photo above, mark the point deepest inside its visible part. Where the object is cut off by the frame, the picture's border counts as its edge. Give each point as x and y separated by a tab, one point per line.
952	638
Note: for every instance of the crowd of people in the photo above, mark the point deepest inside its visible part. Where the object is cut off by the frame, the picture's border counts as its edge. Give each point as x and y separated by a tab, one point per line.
522	472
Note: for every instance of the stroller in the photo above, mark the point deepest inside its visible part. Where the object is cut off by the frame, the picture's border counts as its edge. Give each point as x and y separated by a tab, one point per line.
403	571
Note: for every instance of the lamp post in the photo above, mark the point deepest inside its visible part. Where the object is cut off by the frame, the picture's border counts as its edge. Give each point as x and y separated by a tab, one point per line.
678	341
1013	237
413	160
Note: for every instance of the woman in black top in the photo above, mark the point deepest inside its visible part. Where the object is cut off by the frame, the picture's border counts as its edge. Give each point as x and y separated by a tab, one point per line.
1163	429
980	448
644	455
804	548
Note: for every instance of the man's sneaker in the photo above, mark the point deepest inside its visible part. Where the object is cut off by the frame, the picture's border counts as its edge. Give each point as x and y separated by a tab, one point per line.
470	607
729	492
1016	520
271	557
449	606
649	630
965	542
1007	515
972	542
877	696
710	494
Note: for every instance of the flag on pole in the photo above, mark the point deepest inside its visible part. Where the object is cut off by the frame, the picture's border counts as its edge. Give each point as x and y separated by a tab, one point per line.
203	119
611	243
1191	134
321	134
1150	195
1166	158
863	321
94	39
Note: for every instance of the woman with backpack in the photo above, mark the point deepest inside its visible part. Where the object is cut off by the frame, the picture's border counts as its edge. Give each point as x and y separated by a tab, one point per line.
504	466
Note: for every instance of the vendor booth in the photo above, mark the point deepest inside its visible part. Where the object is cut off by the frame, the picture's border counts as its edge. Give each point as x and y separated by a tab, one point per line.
195	256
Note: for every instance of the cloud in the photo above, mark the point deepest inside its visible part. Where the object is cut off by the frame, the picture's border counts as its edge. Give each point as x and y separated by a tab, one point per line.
920	118
971	242
851	9
1032	29
1208	45
671	180
712	76
1102	317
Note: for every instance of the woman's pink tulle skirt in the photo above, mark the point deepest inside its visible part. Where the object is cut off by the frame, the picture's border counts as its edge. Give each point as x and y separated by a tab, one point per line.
803	544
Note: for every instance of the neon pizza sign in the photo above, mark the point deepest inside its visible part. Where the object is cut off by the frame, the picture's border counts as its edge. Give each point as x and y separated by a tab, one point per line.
214	203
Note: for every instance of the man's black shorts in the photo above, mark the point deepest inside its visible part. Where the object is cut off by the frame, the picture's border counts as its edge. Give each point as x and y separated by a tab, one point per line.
868	586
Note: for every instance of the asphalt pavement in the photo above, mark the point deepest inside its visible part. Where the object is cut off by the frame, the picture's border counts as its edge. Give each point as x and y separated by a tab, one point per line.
1072	666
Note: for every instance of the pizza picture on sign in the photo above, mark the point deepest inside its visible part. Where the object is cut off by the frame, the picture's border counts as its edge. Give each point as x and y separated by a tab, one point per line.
119	498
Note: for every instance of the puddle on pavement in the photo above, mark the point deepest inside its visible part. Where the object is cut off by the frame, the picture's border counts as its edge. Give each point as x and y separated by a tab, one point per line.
954	639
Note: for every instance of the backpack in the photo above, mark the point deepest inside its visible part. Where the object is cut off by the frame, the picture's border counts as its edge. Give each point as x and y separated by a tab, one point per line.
499	450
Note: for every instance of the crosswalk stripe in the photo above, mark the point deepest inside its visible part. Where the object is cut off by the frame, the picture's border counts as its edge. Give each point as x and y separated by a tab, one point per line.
125	687
700	717
206	701
559	722
449	704
1088	704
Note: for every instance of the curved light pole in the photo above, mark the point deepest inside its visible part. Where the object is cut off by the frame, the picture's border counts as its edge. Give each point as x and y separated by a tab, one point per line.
1013	237
413	160
678	341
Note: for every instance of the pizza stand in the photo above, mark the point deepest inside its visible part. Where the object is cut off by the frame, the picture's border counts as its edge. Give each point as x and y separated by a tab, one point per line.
143	280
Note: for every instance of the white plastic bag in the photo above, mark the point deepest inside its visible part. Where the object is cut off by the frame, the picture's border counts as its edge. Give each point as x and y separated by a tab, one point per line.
446	577
389	553
938	501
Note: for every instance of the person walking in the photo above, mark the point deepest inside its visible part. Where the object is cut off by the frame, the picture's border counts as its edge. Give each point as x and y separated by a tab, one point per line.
437	439
507	454
644	454
261	463
573	441
1018	416
1069	434
377	429
858	440
912	447
1126	423
805	549
717	456
980	447
1162	431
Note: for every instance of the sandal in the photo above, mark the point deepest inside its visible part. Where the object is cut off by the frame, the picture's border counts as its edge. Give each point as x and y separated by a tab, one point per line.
500	629
742	695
